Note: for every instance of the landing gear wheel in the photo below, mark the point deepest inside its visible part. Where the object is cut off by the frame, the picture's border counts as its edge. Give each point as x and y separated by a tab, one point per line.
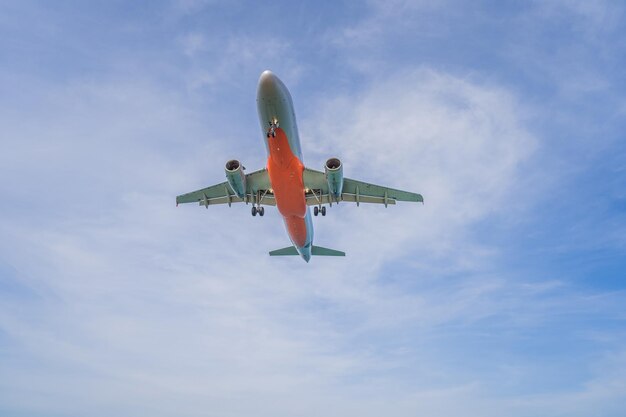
261	211
316	211
254	210
324	211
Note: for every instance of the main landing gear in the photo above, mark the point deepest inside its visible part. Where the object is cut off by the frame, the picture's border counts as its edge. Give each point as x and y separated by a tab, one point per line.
272	129
317	210
260	210
256	203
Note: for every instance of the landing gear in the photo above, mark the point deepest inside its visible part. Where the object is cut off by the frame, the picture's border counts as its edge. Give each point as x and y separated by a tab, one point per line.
317	210
272	129
256	204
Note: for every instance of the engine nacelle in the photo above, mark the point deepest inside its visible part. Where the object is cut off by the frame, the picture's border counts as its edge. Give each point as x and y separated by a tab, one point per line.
236	178
334	176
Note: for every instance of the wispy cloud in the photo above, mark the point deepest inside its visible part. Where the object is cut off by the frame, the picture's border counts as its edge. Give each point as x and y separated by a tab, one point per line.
459	143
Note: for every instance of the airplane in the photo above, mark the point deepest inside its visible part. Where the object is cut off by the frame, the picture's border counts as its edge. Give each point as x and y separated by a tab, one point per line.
285	182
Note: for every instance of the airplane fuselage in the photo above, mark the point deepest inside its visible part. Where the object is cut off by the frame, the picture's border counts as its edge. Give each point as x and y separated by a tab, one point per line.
284	160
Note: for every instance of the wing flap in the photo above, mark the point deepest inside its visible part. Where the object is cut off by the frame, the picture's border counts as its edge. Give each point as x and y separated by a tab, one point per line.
266	200
208	193
364	189
350	198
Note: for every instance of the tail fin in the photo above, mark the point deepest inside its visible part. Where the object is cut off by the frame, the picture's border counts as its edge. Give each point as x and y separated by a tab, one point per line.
315	251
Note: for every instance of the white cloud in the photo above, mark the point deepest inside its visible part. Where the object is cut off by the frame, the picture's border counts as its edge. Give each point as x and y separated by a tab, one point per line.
458	143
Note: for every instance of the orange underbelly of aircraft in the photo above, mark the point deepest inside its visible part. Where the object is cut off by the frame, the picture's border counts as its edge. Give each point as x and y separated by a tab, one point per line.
285	172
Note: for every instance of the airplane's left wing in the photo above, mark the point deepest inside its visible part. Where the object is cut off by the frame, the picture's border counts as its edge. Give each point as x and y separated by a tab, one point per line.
257	188
353	191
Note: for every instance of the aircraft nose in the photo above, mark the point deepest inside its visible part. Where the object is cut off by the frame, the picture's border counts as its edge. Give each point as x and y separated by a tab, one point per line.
267	74
268	85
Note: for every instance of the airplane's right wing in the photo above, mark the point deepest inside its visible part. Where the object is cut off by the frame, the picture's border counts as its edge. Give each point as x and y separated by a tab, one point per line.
353	191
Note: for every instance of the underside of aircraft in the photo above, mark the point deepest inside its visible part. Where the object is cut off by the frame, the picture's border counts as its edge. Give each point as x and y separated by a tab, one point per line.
286	183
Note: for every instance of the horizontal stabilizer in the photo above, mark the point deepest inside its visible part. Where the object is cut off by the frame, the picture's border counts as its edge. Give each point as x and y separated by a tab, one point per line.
320	251
290	250
315	251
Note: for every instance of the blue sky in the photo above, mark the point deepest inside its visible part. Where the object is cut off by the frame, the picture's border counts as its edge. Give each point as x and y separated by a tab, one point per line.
503	295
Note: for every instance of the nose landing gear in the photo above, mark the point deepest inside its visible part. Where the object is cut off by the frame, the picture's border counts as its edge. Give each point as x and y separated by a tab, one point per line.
272	129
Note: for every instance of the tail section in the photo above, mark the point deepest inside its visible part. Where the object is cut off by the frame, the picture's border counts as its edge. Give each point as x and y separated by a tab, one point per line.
320	251
288	251
315	251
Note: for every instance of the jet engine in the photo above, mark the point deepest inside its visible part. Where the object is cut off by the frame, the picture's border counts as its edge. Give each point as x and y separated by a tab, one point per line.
334	176
236	178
